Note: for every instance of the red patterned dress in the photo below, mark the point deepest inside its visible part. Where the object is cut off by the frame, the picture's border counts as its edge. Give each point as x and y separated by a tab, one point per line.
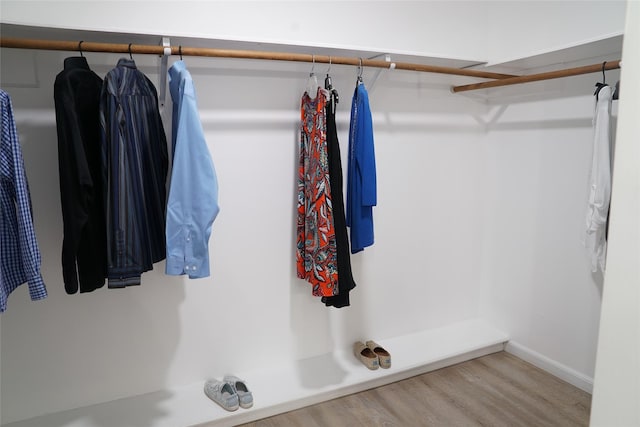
316	255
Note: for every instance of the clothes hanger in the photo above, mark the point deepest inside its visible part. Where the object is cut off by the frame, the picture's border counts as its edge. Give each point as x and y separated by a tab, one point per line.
328	85
616	92
75	61
312	82
180	52
327	80
600	85
130	55
359	80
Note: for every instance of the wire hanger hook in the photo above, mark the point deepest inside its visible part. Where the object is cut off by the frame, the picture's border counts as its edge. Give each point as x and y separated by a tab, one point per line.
180	51
604	77
329	69
130	55
80	47
313	64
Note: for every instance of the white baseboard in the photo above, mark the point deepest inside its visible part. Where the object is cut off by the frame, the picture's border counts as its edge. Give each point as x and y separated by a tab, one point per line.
557	369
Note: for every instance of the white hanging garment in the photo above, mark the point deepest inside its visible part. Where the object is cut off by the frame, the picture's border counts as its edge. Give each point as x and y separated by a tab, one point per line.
599	182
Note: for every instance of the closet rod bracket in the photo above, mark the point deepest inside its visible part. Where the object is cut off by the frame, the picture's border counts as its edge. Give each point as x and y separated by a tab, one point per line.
164	62
392	66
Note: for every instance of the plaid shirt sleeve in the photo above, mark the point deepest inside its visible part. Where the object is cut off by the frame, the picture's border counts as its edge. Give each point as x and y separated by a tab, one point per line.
18	244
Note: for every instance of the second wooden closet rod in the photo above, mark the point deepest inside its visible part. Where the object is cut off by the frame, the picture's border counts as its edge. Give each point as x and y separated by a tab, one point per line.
246	54
587	69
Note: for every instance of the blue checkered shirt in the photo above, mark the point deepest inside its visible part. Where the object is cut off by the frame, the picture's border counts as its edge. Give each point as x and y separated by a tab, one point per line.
19	253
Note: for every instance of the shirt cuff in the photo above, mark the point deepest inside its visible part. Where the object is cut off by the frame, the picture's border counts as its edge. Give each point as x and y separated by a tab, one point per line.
196	269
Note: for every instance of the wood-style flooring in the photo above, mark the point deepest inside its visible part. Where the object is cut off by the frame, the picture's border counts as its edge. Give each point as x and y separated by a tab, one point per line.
494	390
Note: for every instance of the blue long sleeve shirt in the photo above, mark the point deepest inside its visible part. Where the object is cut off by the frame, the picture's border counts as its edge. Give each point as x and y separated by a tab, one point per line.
361	173
193	194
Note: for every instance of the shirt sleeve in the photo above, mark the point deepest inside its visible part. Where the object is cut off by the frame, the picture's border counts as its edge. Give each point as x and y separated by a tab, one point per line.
193	194
367	157
600	188
29	251
76	185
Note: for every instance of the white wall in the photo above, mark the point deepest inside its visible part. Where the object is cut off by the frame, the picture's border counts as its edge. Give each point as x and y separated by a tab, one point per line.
617	380
522	28
536	281
461	229
400	26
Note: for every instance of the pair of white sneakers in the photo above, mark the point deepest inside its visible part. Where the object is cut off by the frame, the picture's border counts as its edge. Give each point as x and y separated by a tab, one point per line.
230	393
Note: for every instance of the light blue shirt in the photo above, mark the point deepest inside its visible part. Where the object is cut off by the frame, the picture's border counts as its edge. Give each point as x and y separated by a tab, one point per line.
193	193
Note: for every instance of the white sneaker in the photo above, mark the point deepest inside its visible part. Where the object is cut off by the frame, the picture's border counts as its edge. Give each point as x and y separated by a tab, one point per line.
245	397
222	393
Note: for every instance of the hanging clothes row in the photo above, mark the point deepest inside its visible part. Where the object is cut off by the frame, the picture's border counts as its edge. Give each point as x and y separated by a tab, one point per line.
113	163
322	242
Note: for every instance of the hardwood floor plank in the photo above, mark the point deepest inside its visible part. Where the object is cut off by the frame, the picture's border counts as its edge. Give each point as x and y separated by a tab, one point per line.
485	399
575	403
494	390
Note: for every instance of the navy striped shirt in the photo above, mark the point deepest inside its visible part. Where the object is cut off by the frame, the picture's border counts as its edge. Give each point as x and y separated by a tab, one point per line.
19	253
134	165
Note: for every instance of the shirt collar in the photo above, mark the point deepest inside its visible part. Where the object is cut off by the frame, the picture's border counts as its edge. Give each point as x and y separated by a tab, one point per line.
126	62
177	68
76	62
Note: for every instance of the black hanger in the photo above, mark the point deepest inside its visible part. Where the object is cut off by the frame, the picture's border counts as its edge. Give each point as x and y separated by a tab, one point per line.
328	85
180	51
327	80
77	61
130	55
600	85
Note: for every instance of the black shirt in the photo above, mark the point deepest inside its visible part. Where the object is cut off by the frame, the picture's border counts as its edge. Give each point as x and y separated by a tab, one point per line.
77	101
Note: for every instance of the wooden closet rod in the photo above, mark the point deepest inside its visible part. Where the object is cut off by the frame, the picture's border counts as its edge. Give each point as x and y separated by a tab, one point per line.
595	68
246	54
